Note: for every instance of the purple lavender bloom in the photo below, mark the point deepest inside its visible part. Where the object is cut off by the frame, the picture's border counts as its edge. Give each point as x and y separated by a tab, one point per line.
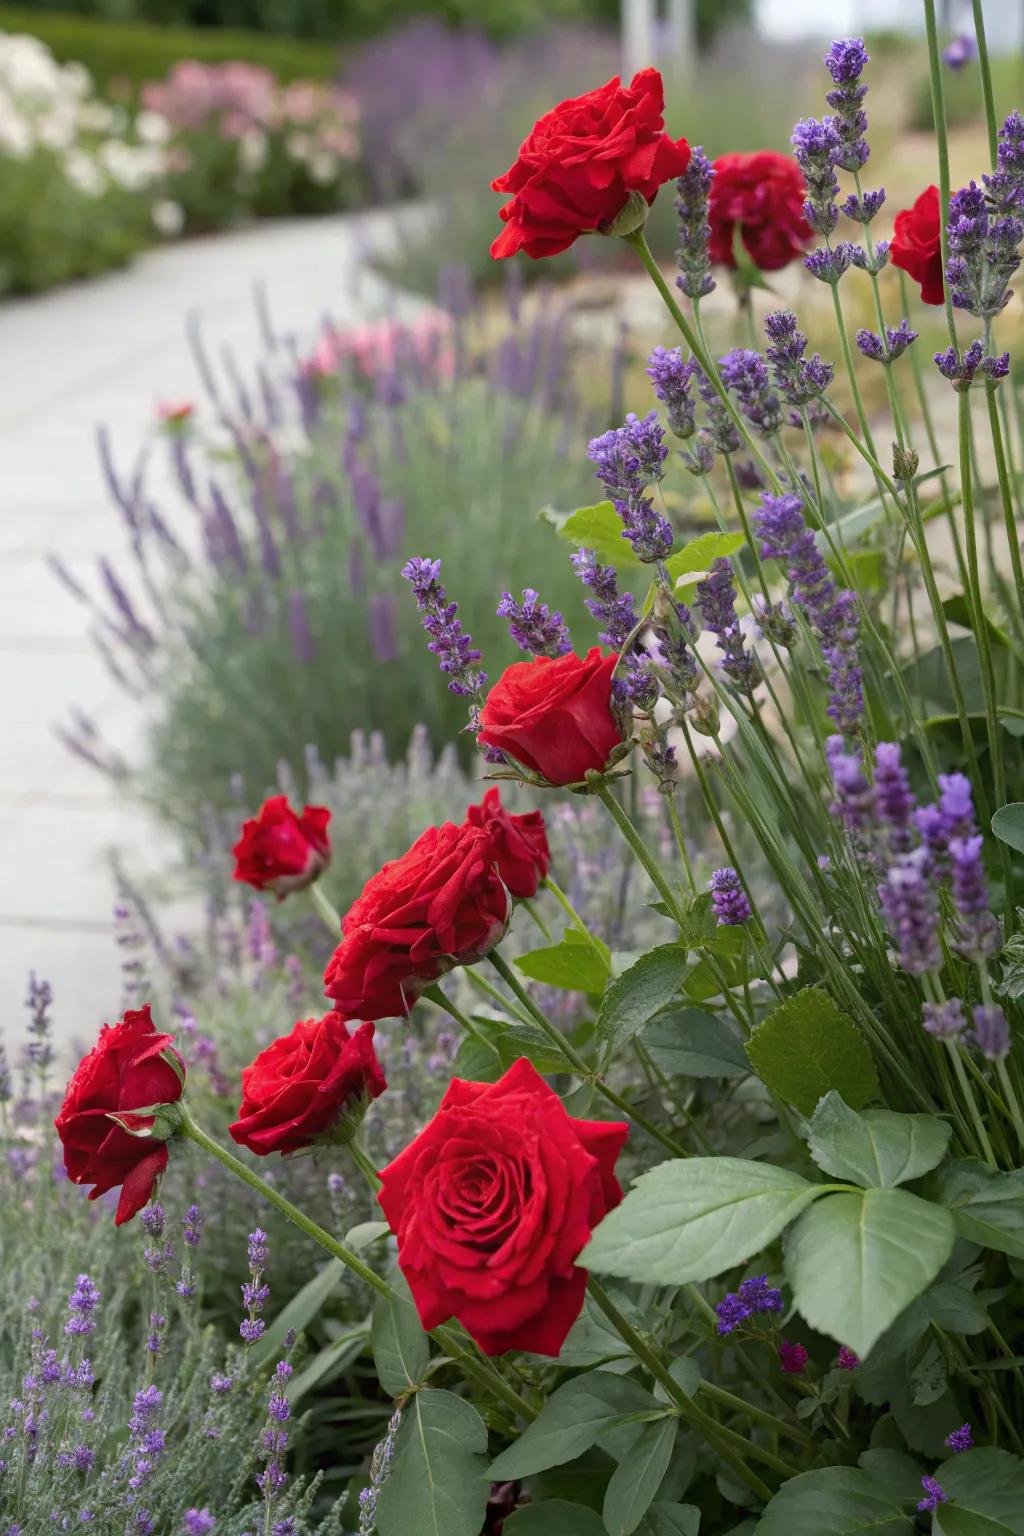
255	1293
897	340
635	685
816	145
960	1440
956	805
960	370
959	52
381	626
152	1219
448	642
870	261
934	1496
798	379
672	377
944	1020
609	607
828	265
729	901
855	798
894	800
532	625
303	644
717	597
197	1522
911	906
775	621
832	615
193	1226
863	209
691	205
39	1002
978	935
702	458
1005	187
991	1031
845	62
82	1304
746	374
721	432
983	243
628	459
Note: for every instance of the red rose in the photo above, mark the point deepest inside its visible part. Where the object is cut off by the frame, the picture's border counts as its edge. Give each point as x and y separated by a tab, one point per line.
554	715
280	851
581	161
491	1205
764	195
917	245
440	905
299	1087
128	1070
519	844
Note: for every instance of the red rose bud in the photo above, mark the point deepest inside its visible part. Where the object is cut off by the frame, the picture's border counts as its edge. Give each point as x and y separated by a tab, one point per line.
440	905
280	851
492	1204
519	844
760	196
917	245
582	161
554	715
313	1084
118	1112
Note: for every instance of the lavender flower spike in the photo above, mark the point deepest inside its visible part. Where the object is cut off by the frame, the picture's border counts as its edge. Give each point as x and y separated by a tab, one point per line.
845	62
946	1021
798	379
532	625
717	598
911	906
691	205
894	800
991	1031
897	340
746	374
628	459
449	642
671	377
978	935
816	145
729	899
610	607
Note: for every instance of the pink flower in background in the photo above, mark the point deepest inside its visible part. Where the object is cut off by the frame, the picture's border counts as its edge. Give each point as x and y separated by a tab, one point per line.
175	413
238	95
386	346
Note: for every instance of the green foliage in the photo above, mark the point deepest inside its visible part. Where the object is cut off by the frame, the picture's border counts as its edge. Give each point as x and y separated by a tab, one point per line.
401	1351
573	1419
692	1219
115	50
985	1484
687	1042
987	1205
855	1261
808	1047
1008	825
574	964
438	1484
836	1501
637	1478
877	1148
635	996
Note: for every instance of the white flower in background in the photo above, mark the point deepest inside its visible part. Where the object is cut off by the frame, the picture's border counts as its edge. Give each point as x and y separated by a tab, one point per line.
57	129
323	167
132	166
168	218
30	73
252	152
16	137
152	127
77	78
84	174
96	116
298	146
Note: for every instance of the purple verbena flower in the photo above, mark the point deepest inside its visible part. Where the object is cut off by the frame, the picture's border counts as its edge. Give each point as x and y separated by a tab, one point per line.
798	379
746	374
732	1311
449	642
532	625
728	899
910	903
672	377
691	205
759	1296
960	1440
934	1495
612	609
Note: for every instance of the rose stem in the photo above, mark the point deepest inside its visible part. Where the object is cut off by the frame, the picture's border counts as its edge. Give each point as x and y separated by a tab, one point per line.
578	1063
479	1371
324	909
529	907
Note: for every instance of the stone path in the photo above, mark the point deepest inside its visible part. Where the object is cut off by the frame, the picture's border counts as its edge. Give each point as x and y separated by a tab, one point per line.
106	352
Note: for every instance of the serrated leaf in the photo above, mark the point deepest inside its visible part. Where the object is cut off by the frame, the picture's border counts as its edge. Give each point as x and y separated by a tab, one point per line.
570	965
698	554
987	1206
555	1517
1008	825
855	1261
637	995
636	1480
690	1220
691	1043
878	1148
570	1423
401	1350
600	528
988	1483
836	1501
438	1484
808	1047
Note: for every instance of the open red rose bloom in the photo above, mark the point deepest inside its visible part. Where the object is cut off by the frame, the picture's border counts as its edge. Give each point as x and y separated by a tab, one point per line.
298	1088
576	170
493	1202
917	245
281	851
127	1071
440	905
762	195
519	844
554	715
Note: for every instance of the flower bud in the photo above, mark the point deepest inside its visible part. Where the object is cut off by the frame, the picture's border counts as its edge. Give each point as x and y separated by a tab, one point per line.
905	462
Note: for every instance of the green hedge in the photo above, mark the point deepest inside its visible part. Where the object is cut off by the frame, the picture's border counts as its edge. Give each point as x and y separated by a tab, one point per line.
137	52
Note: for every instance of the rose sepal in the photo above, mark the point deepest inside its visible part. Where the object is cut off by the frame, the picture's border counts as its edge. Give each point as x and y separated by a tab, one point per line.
152	1122
631	217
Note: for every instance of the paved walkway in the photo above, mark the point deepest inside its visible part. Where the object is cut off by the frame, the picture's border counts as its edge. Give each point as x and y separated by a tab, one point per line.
106	352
